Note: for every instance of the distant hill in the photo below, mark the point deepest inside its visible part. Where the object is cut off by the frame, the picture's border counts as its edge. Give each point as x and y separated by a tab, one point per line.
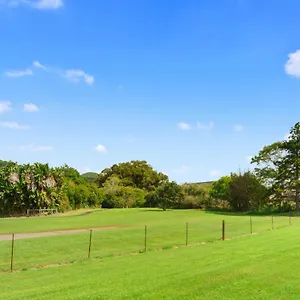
205	184
91	177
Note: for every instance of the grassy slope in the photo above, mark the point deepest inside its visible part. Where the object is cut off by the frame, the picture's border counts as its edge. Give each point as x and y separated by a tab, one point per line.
165	229
255	267
122	218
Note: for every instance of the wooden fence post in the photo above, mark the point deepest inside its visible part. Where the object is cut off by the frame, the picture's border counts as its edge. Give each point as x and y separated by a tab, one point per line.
12	252
90	244
251	225
223	230
186	234
145	242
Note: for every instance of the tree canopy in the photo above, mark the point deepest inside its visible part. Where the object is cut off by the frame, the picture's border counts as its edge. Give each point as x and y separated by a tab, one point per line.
278	166
136	174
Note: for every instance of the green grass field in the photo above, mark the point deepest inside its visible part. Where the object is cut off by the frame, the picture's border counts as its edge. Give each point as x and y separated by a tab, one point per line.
164	231
262	266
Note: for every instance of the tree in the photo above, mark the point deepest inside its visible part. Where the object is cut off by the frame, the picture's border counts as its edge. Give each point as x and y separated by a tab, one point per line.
246	192
220	189
136	174
169	194
278	165
195	196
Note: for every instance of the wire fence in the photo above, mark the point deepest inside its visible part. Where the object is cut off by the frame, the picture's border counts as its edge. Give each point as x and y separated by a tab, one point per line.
21	253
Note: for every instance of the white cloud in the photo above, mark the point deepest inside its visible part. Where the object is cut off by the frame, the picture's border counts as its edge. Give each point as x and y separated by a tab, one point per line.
5	106
292	66
182	170
18	73
184	126
101	148
208	126
74	75
33	148
77	75
48	4
30	107
13	125
215	173
38	65
238	128
38	4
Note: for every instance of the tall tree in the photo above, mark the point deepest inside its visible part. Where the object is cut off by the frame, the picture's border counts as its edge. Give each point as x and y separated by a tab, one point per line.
169	194
279	167
136	173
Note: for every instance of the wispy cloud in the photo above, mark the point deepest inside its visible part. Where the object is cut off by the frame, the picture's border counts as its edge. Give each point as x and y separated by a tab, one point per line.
33	148
13	125
292	66
30	107
208	126
38	65
74	75
184	126
182	170
38	4
78	75
18	73
238	128
101	148
5	106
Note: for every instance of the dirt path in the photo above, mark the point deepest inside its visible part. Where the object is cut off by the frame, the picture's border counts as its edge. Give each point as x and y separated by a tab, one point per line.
19	236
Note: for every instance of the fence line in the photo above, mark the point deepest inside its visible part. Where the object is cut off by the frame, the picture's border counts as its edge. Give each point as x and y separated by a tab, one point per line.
145	246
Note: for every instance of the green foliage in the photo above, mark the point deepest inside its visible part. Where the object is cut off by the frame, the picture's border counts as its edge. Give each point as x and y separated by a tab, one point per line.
168	194
240	192
3	163
195	196
278	166
29	186
116	195
246	192
136	174
220	188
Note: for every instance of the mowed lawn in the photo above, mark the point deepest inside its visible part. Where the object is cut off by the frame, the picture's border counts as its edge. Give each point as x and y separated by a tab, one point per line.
262	266
164	231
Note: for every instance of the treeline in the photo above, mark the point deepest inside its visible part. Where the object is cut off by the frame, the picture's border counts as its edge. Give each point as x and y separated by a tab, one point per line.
273	185
124	185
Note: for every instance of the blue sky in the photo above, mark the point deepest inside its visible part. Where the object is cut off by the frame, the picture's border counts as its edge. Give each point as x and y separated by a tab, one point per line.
193	87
